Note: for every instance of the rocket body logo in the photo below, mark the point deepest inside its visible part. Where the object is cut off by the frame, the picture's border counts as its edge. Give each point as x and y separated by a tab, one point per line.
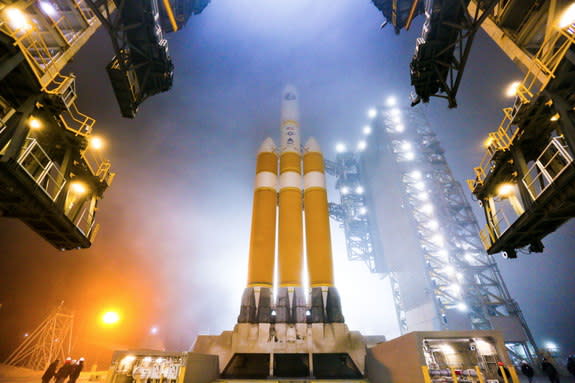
289	96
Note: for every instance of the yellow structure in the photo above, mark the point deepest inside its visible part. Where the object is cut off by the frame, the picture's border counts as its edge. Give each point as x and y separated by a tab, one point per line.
290	240
262	241
318	239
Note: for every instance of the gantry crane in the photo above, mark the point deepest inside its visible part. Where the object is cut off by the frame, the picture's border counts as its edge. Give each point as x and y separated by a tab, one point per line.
525	181
52	173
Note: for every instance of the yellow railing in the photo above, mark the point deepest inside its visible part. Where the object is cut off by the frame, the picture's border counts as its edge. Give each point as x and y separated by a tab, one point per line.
547	59
43	38
76	121
486	237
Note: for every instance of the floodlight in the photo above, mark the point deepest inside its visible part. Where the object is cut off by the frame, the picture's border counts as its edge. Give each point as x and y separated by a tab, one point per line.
567	17
511	90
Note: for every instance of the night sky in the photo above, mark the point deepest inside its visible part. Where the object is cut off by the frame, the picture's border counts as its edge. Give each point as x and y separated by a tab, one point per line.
172	251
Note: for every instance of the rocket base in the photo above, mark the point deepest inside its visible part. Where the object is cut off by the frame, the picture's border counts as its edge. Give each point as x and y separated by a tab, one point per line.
287	350
288	339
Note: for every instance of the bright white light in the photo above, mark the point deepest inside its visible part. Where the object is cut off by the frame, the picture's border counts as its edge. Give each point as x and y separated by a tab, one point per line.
483	347
372	113
359	190
26	335
469	257
78	187
361	145
409	156
340	147
48	8
416	174
362	210
399	128
423	196
34	123
427	208
16	18
419	185
505	189
147	359
511	90
159	360
394	112
405	146
154	330
551	346
391	101
127	359
449	270
437	239
447	349
433	224
460	277
455	288
367	130
396	119
443	253
567	17
96	143
344	190
273	313
462	306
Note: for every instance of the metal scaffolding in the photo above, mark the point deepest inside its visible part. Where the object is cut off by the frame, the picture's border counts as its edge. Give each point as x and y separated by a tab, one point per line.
51	340
459	277
525	178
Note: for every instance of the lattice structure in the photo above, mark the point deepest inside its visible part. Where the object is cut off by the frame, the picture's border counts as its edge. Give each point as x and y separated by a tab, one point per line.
351	211
51	340
441	276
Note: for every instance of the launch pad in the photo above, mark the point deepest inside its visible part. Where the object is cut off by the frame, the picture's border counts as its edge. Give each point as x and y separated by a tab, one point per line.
287	331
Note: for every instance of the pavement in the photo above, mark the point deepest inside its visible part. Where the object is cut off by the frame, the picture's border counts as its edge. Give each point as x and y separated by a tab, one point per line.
9	374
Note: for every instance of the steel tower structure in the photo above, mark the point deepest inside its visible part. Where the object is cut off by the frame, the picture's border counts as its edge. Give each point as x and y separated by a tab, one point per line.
406	216
51	340
52	172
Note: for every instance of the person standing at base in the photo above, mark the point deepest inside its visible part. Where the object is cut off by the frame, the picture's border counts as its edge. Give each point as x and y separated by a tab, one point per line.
75	370
550	371
64	371
527	370
50	371
571	365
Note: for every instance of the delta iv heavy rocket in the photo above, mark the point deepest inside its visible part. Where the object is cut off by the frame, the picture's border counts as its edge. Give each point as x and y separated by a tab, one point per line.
289	189
282	192
291	338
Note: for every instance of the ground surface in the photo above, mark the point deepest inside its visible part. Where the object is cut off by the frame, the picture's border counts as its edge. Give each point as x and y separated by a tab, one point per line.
9	374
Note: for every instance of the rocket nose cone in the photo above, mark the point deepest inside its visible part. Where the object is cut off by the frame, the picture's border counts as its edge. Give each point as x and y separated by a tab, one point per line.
311	145
290	93
267	146
290	101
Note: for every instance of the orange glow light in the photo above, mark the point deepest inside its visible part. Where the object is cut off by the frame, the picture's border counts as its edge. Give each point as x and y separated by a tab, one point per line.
110	318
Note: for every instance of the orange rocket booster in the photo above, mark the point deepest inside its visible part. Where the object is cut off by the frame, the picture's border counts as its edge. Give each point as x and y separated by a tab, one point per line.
263	234
317	232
